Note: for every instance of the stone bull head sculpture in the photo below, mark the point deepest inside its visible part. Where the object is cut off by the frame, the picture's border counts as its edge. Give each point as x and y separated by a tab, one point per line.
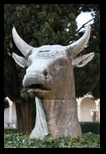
50	78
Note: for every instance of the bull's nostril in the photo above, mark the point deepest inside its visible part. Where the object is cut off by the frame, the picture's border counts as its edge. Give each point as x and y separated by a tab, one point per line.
45	73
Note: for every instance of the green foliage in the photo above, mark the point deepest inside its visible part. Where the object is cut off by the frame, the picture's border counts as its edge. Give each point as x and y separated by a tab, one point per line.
10	130
19	140
93	127
89	78
6	104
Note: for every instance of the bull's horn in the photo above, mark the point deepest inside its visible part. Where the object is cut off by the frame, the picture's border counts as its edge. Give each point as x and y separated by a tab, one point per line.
76	47
20	43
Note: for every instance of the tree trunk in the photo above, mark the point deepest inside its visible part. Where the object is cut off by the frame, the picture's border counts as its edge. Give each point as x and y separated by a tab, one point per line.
24	116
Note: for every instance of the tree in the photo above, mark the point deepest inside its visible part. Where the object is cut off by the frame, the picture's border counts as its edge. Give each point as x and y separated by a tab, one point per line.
89	77
6	103
40	24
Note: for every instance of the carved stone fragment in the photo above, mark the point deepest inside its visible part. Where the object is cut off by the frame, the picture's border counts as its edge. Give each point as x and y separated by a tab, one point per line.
50	78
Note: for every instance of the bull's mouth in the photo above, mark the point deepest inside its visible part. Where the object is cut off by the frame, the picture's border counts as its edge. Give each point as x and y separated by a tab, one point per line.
37	89
37	86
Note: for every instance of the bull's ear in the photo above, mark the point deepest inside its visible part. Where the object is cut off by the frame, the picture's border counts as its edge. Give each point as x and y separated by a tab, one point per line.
82	60
21	61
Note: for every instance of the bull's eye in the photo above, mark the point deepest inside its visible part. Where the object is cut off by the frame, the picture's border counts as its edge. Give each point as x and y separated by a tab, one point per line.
63	62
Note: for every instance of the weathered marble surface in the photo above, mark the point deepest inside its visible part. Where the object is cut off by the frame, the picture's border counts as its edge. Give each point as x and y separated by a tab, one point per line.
62	118
41	128
49	77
